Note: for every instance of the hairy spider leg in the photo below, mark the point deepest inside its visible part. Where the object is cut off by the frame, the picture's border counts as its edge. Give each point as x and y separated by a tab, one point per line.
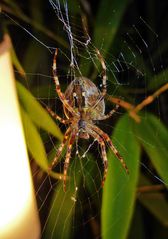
58	88
60	149
103	151
103	117
109	142
55	116
67	158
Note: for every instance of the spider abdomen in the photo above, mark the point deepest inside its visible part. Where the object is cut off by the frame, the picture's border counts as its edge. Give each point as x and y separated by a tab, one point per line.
83	95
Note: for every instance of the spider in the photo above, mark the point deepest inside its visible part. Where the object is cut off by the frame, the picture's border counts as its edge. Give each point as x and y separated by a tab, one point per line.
83	105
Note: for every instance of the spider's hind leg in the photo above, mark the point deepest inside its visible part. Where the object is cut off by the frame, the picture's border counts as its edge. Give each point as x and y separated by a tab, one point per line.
103	152
67	158
113	148
60	149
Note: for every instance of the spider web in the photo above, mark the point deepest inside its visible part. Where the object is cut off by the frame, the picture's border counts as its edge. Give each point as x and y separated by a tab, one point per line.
77	211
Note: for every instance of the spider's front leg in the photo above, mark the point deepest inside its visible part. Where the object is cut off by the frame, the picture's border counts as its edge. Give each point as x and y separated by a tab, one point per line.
104	75
57	117
58	88
108	140
104	79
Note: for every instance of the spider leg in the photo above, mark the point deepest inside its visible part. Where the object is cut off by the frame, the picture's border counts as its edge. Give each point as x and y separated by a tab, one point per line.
55	116
58	88
103	117
113	148
60	149
103	151
104	76
104	79
68	156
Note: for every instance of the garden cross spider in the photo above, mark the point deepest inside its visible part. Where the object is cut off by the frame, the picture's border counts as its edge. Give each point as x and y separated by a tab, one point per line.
83	105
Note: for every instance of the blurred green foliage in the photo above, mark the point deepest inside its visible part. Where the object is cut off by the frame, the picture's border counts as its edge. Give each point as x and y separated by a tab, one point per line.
123	197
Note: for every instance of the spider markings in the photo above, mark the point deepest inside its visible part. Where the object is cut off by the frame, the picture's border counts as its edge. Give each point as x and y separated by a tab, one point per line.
83	105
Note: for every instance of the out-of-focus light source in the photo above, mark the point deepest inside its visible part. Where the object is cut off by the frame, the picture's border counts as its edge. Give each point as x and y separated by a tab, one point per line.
18	212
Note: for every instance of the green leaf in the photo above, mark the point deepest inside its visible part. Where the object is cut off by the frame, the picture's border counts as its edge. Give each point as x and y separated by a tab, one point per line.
120	189
42	91
34	142
153	136
16	62
110	13
72	8
109	16
93	179
137	229
158	80
28	56
155	202
63	206
37	113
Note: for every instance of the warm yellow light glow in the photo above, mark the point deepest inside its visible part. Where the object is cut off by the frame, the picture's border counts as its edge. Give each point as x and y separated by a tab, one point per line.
18	213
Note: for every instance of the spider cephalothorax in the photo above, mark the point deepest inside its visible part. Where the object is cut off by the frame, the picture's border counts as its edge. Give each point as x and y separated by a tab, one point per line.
83	105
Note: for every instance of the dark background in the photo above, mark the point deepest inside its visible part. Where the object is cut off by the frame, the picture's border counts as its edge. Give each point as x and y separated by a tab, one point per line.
36	58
